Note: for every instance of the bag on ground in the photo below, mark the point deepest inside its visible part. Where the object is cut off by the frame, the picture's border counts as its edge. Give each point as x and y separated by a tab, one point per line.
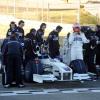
78	66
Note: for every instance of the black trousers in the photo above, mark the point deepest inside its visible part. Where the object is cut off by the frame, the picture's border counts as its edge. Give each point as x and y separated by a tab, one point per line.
54	53
98	55
90	60
14	69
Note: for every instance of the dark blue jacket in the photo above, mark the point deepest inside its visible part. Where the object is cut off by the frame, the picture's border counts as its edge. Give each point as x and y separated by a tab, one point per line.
4	44
53	41
13	47
3	50
39	37
20	32
11	31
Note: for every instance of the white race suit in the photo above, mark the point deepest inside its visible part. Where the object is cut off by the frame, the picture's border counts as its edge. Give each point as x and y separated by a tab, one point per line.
76	42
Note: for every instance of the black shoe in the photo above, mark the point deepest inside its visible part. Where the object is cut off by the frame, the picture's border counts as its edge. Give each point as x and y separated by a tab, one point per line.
7	86
21	85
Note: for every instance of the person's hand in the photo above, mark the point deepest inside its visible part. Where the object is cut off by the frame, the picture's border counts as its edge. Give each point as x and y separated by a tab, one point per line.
3	66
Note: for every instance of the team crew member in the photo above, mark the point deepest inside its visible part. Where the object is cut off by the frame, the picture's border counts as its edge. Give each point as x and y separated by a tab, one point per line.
76	40
98	46
40	34
30	44
53	42
14	53
20	30
66	50
30	50
32	34
12	28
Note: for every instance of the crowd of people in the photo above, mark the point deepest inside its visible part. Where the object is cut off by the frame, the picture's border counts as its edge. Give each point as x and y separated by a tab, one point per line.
18	49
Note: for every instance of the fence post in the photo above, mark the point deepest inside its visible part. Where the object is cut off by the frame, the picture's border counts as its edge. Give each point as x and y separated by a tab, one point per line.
61	17
42	10
78	12
48	12
14	8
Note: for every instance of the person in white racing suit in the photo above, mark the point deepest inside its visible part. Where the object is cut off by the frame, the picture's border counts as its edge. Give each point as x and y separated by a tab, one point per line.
76	41
66	50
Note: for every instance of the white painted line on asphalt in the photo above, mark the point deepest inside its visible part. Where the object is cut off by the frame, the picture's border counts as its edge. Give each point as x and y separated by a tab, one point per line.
22	91
95	90
70	91
36	93
51	90
48	91
8	94
83	89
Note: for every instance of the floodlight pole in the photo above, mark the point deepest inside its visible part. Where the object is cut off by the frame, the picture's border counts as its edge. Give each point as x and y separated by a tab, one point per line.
7	6
37	11
61	17
48	12
14	7
42	9
78	13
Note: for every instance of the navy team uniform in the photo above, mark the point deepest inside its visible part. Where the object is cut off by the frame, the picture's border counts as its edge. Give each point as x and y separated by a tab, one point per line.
30	50
20	35
39	37
53	42
40	34
3	48
20	32
14	53
11	29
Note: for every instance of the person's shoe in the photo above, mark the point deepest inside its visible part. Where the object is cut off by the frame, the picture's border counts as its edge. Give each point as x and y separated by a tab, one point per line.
7	86
21	85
